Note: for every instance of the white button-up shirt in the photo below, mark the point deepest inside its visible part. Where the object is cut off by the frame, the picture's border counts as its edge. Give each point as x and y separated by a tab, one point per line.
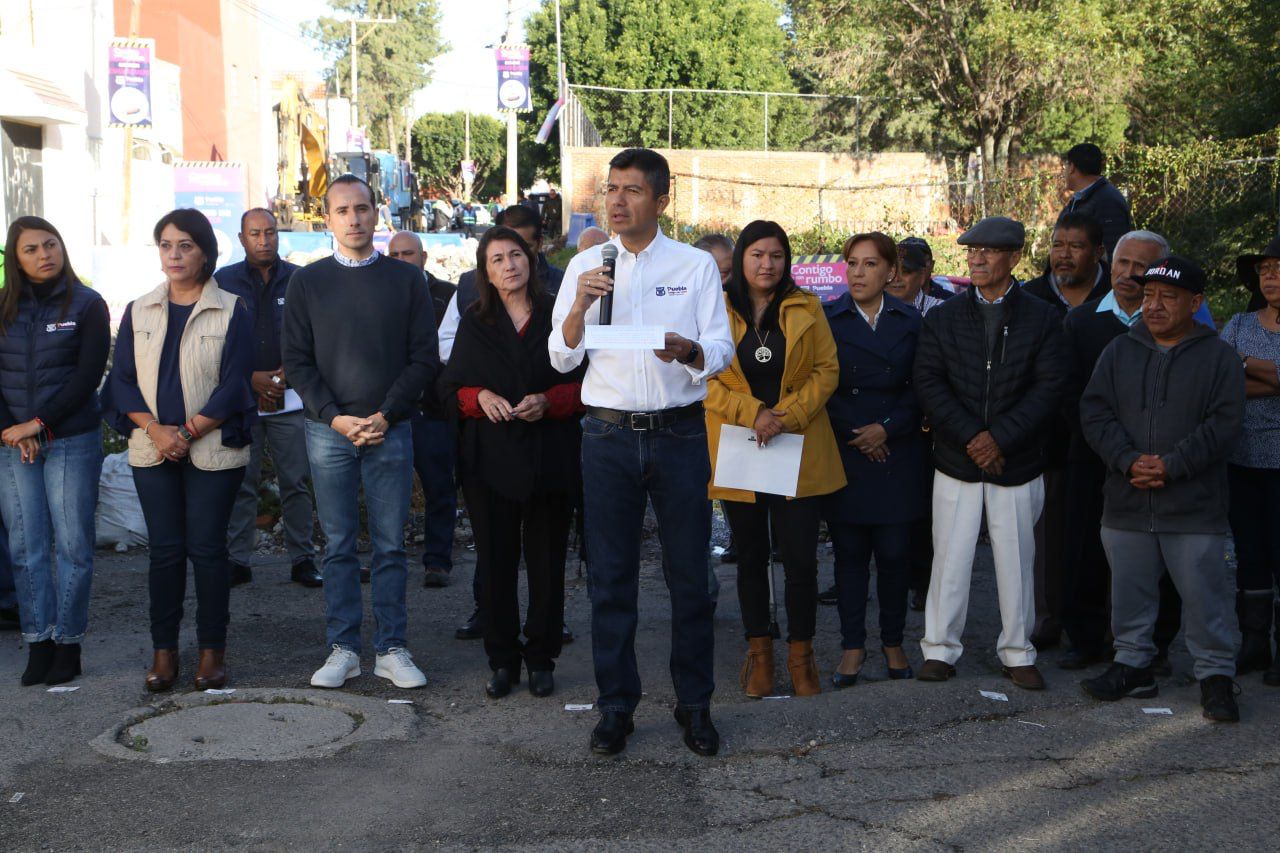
667	284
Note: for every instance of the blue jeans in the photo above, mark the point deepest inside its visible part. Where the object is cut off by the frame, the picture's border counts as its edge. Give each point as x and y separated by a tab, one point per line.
338	469
8	592
433	460
622	467
52	499
187	511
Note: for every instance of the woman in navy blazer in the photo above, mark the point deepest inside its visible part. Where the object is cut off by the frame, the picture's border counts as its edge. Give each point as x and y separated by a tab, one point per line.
877	425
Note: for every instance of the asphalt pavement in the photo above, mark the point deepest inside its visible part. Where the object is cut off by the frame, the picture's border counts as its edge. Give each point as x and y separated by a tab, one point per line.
884	765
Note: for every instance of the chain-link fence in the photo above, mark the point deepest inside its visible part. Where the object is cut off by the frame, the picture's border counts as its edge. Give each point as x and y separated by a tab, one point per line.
731	119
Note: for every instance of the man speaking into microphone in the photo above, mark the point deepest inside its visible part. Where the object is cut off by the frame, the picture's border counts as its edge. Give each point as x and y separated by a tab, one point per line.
644	436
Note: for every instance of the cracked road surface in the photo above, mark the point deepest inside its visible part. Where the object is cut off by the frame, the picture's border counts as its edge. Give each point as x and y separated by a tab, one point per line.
884	765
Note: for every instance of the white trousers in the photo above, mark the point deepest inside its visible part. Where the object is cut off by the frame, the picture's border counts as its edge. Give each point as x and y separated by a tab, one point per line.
1012	512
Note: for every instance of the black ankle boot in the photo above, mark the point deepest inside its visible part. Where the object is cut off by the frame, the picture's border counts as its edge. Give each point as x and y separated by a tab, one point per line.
39	660
66	664
1254	611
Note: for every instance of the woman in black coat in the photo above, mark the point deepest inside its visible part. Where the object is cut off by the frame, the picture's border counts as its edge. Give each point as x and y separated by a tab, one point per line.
877	425
518	453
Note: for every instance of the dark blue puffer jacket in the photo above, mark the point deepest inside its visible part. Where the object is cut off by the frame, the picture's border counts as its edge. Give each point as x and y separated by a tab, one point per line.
52	362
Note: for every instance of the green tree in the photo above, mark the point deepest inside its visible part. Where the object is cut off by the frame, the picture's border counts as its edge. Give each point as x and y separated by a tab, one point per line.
658	44
439	144
980	74
392	58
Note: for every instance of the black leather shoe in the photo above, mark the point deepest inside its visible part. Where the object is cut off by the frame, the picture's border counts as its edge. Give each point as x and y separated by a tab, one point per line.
566	636
500	684
609	737
541	682
473	628
240	573
700	734
305	573
39	662
828	595
435	578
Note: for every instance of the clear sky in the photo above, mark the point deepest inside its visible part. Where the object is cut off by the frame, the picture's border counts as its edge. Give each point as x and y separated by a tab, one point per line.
461	78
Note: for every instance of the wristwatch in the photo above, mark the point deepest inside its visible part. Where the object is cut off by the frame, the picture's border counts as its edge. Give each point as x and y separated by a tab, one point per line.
184	434
693	354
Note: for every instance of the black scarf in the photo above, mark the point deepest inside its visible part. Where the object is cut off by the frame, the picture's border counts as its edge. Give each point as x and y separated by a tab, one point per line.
517	459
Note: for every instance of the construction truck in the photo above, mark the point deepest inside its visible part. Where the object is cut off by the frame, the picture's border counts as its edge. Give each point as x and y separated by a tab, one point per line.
302	167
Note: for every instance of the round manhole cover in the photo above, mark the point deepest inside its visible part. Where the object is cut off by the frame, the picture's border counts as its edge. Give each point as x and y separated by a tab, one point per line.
238	730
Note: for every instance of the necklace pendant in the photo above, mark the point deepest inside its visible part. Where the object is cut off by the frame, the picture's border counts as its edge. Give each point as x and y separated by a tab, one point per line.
764	355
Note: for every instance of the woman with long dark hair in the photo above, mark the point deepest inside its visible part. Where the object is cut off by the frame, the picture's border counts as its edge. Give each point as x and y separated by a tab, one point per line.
54	337
784	368
1254	469
518	456
180	390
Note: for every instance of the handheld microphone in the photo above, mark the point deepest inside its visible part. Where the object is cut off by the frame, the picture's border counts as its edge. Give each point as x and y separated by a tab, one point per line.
609	254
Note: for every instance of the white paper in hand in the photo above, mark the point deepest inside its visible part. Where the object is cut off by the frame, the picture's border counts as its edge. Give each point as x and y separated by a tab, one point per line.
625	337
742	464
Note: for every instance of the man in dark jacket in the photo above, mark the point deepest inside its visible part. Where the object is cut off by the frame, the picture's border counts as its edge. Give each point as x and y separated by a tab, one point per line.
1095	196
432	438
1076	275
1163	410
1087	589
261	280
990	373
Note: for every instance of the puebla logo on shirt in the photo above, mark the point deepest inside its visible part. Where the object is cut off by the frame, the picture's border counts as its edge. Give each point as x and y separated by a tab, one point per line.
670	290
67	326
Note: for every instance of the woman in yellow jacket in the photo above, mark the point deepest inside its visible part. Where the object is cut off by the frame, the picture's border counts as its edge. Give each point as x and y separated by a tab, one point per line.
783	371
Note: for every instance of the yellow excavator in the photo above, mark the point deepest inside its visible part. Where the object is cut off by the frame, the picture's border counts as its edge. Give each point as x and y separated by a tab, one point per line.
302	168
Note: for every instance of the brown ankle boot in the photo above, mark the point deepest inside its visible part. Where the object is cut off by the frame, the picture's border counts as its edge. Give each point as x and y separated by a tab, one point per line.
803	668
212	672
756	677
164	671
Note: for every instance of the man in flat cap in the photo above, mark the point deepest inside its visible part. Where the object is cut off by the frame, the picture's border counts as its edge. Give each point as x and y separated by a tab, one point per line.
990	373
1163	411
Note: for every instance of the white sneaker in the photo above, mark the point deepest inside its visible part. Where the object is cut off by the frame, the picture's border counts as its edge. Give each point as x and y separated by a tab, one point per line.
341	666
397	666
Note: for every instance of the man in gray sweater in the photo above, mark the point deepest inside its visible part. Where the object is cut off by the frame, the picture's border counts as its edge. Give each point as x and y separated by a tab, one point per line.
1163	411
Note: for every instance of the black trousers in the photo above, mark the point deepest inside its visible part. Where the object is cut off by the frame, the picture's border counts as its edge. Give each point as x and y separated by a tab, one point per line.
1254	507
187	512
795	526
854	545
504	530
1086	611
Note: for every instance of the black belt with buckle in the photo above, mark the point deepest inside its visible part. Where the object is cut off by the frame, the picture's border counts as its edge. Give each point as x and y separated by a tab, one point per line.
645	421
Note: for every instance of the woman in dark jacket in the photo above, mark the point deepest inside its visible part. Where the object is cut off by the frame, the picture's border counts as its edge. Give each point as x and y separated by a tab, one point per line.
519	448
180	390
877	425
54	338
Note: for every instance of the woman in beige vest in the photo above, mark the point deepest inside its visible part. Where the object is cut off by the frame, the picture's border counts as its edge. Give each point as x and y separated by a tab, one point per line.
179	389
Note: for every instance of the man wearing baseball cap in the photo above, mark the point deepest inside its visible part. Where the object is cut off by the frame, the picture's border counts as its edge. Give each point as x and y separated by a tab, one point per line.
1163	411
990	373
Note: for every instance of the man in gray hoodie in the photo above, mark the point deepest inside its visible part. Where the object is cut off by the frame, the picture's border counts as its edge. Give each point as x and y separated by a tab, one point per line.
1163	411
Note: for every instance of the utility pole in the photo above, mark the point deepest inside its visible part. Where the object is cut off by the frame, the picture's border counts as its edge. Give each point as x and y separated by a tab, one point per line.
135	23
355	43
513	178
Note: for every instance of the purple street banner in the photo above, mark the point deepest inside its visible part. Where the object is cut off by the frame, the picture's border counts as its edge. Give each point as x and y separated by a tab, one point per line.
513	77
821	275
129	82
217	191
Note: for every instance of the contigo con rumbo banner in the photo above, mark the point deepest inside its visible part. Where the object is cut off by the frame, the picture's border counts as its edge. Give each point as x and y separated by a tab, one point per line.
822	275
